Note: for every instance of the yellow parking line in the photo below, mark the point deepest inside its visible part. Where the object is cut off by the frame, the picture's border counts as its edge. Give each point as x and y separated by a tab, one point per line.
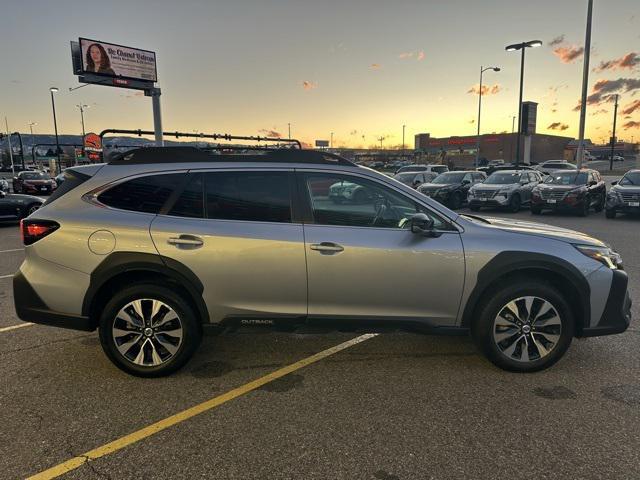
154	428
13	327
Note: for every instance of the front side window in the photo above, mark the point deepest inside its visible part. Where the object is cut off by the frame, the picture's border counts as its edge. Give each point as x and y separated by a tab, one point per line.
190	203
143	194
248	196
343	200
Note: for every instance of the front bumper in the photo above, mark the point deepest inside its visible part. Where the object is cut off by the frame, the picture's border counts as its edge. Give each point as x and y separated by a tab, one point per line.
617	311
617	204
563	204
496	202
30	308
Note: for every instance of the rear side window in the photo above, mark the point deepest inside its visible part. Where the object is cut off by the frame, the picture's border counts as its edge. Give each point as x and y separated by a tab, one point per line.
190	203
248	196
71	180
143	194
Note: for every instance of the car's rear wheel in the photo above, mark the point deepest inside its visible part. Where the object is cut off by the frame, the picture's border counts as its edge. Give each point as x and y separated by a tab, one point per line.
600	205
149	330
524	327
32	208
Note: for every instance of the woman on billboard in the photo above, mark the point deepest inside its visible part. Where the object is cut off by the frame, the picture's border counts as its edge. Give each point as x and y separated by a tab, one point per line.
98	60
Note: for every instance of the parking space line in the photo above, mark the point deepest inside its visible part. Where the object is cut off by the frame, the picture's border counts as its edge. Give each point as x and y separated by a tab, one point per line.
12	250
161	425
14	327
6	276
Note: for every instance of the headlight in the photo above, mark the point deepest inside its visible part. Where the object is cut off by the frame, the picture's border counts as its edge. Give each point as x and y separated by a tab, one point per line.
604	255
472	193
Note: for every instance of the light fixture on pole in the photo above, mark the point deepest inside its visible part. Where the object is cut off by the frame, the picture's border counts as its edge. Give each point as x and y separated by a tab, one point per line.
512	48
482	70
53	90
82	106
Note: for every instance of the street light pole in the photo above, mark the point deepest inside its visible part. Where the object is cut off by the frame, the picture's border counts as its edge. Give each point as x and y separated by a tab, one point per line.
482	70
82	107
510	48
403	127
331	143
289	125
585	85
53	90
613	135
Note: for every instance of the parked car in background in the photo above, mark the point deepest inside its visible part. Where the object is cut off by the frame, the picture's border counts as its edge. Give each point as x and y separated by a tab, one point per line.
451	188
4	185
423	168
59	178
16	207
506	166
413	179
506	189
618	158
33	182
578	190
624	196
554	165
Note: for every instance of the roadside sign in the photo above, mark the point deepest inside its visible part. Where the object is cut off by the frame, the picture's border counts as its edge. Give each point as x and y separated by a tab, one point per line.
93	147
322	143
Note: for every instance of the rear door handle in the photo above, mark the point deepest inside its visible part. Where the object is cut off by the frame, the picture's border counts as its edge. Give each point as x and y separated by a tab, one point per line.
186	241
327	247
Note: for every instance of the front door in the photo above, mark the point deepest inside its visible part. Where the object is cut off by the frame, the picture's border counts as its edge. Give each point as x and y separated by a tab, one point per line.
234	230
363	261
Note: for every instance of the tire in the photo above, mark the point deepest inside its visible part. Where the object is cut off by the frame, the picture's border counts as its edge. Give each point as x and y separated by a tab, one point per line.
584	211
610	213
32	208
491	331
474	208
147	351
536	210
600	205
515	203
456	201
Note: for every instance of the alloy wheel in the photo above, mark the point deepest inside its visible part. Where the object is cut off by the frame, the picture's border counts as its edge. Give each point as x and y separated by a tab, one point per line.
527	329
147	332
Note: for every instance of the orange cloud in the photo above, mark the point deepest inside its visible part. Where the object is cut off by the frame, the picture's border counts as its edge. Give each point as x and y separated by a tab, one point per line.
568	54
420	56
375	66
631	124
558	126
604	90
629	62
307	85
600	111
557	41
486	89
270	133
404	55
632	107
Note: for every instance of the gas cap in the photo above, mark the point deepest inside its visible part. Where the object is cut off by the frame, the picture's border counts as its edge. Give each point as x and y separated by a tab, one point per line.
102	242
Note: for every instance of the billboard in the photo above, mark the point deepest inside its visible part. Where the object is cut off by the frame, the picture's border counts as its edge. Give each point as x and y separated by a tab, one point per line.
322	143
93	147
111	60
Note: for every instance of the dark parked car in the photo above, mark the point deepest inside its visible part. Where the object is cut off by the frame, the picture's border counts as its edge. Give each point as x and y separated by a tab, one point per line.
33	182
451	188
578	190
15	207
413	179
505	188
624	196
507	166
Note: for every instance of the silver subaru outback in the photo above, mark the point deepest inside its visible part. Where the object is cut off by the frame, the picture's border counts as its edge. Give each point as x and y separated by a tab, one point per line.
159	242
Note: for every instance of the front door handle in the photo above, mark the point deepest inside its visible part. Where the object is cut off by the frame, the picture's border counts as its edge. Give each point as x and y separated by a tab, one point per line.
185	241
327	247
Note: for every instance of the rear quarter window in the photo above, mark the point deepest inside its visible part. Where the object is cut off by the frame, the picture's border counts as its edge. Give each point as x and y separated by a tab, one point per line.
146	194
72	179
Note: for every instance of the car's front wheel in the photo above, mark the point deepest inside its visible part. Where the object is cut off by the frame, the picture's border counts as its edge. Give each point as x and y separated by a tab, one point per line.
149	330
524	327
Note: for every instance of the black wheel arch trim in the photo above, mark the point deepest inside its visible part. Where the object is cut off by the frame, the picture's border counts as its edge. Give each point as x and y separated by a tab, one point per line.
511	262
121	262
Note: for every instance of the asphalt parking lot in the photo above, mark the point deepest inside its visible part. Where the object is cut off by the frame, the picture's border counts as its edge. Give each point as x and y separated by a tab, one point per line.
392	406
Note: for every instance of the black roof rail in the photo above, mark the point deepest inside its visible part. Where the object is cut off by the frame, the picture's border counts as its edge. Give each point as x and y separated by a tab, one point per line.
150	155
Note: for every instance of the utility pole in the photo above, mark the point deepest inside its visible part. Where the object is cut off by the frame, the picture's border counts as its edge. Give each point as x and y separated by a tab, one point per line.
403	127
82	107
13	170
585	85
613	136
331	142
289	125
31	125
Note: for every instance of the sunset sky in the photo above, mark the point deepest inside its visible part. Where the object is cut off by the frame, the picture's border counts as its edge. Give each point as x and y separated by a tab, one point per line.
360	69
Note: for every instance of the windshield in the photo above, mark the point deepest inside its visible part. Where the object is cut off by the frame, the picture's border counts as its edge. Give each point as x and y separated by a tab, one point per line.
503	178
405	177
631	178
34	176
449	177
413	168
567	178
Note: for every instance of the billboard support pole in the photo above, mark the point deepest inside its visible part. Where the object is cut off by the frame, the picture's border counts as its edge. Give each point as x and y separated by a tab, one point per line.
154	93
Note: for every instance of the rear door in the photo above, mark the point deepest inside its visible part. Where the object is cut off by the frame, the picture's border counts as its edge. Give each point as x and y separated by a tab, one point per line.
364	263
234	229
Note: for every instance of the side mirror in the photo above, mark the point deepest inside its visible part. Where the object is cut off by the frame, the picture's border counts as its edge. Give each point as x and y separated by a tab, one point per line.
615	182
592	183
466	182
422	224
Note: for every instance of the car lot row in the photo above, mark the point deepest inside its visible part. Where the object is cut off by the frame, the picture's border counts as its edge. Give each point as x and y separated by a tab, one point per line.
511	189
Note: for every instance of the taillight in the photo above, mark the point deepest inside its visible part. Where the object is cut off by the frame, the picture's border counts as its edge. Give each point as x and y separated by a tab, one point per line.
34	230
